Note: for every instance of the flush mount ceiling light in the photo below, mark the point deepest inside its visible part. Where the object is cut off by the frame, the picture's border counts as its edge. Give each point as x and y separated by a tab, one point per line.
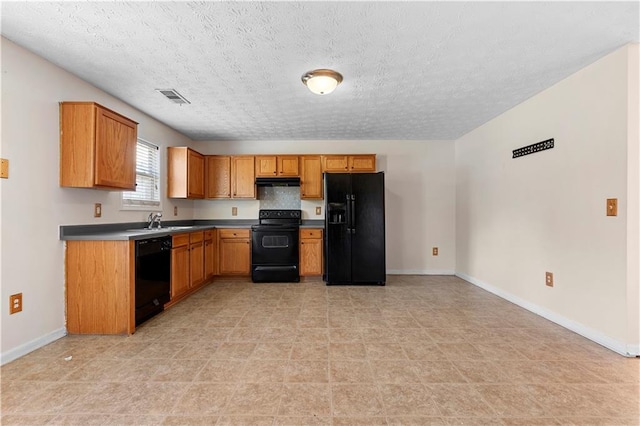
322	81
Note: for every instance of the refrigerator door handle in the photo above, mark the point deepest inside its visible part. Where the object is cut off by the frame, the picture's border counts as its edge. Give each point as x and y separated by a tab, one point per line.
348	215
353	214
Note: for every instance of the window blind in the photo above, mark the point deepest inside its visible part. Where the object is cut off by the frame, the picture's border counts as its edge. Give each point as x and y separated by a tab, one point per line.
147	193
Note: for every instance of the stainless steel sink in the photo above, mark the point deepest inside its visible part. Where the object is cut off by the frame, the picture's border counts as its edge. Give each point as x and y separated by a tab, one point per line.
163	229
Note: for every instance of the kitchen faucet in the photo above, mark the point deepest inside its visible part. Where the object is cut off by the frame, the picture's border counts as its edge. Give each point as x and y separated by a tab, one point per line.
154	218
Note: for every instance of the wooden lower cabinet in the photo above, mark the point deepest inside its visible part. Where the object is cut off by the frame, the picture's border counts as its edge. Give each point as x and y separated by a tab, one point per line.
100	287
310	252
234	246
188	263
196	259
210	254
180	265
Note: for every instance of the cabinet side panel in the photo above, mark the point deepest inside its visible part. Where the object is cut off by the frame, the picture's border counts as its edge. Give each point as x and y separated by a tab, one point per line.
77	134
99	287
177	172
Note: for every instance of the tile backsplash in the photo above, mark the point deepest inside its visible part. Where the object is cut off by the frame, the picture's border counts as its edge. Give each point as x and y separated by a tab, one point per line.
279	197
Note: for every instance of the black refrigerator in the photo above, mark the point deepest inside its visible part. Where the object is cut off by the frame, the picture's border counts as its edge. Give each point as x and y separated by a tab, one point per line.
354	243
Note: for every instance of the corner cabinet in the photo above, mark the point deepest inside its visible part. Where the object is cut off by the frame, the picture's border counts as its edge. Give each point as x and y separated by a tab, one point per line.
218	175
349	163
185	173
310	252
97	147
311	177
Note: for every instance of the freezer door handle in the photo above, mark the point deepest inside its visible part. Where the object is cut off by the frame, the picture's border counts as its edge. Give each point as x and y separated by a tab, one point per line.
353	214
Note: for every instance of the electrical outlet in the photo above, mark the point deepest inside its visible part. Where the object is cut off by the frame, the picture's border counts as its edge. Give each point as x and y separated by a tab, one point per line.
234	211
175	210
434	251
612	207
318	211
97	210
548	277
15	303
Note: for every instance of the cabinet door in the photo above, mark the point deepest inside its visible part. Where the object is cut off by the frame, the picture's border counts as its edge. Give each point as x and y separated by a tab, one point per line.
218	176
196	257
311	177
288	165
235	256
266	165
362	163
195	174
209	258
336	163
310	252
115	151
179	270
243	178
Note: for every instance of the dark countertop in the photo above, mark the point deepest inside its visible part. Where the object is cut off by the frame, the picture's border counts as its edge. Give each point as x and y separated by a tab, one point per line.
137	230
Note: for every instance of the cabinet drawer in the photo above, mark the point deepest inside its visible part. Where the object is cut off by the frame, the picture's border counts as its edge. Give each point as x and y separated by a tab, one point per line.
196	237
208	234
310	233
234	233
180	240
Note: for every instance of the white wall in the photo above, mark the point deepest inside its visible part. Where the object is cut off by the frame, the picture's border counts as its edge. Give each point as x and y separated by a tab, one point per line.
34	205
420	201
517	218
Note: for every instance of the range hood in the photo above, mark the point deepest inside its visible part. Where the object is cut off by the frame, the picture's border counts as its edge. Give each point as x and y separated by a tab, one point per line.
278	181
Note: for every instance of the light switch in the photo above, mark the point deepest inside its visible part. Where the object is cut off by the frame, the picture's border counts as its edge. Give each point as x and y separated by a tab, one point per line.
612	207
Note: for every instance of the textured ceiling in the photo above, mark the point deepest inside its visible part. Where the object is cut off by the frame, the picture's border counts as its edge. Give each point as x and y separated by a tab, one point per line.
412	70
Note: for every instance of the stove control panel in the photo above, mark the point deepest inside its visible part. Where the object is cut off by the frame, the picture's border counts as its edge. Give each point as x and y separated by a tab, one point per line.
280	214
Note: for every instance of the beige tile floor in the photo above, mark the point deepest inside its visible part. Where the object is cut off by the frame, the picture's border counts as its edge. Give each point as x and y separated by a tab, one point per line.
420	351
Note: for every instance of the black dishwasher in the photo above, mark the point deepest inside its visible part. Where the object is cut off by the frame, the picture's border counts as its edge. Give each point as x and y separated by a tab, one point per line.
153	276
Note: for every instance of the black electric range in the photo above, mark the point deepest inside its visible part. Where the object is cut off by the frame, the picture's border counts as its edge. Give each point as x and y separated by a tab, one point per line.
275	252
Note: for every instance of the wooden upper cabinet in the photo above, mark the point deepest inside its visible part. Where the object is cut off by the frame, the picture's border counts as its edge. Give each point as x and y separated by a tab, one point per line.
218	172
288	165
349	163
243	178
362	163
97	147
335	163
266	165
185	173
281	165
310	177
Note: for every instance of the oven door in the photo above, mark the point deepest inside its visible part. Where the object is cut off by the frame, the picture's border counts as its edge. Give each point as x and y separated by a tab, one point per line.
275	253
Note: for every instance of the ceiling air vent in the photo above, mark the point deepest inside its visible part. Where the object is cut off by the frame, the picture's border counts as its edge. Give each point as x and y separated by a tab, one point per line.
173	96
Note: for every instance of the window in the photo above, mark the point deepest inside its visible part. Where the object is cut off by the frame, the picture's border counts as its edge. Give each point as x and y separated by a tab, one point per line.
147	193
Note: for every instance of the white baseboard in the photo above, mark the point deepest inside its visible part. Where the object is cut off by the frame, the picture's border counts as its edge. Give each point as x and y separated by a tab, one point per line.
576	327
15	353
420	272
